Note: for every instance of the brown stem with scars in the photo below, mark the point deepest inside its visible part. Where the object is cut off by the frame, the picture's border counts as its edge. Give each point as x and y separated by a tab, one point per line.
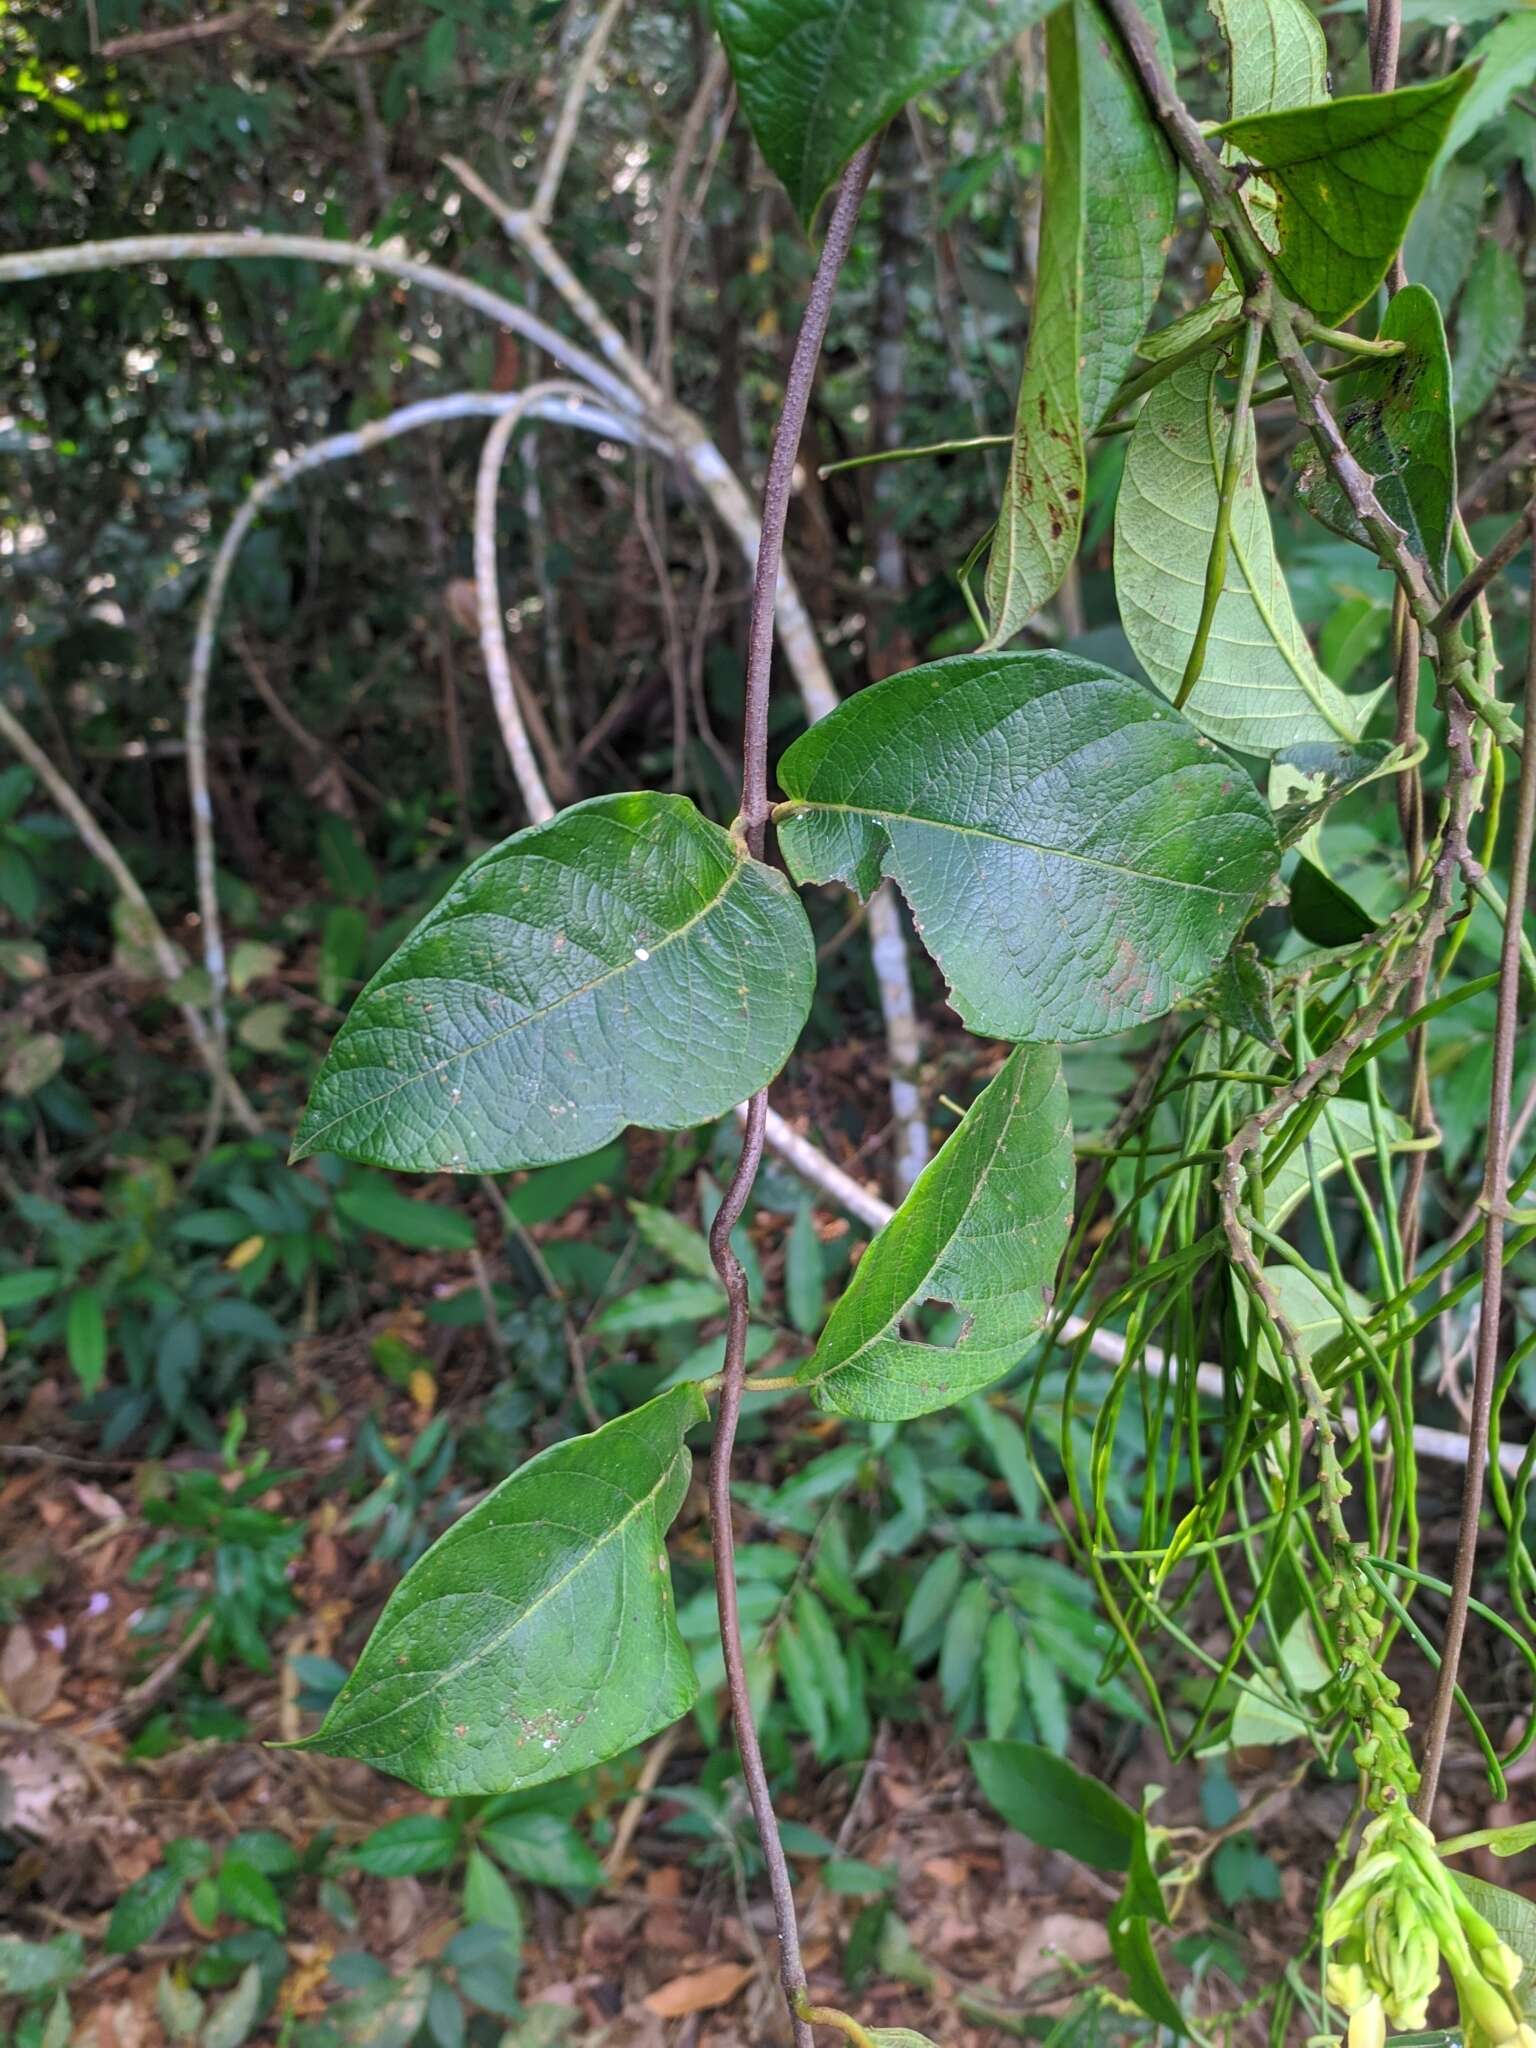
752	825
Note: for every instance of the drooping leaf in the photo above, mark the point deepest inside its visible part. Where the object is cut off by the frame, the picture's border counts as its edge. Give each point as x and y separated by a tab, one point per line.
1260	687
1278	55
1502	64
1396	416
1074	856
1305	781
983	1231
1346	175
1056	1805
1442	236
1130	1939
1323	912
625	963
817	78
1107	213
1489	324
1041	514
538	1635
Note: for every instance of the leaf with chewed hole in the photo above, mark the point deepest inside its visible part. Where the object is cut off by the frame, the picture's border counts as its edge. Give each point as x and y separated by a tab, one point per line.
625	963
538	1636
1075	856
983	1231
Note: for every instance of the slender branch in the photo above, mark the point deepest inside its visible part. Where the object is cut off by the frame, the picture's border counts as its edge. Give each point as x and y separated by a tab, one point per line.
1221	532
753	823
558	153
1496	1202
1476	581
167	959
36	264
493	640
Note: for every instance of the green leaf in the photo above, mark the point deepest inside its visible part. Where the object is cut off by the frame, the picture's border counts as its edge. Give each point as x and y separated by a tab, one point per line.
1396	417
1307	1309
1098	868
1498	67
494	1663
932	1597
687	1248
1513	1840
408	1847
35	1062
21	1290
661	1307
1512	1918
1242	994
1130	1938
1489	324
624	963
246	1893
805	1279
965	1634
816	78
1305	781
85	1337
1055	1804
232	2019
1346	175
1323	912
1002	1685
545	1850
982	1231
1287	1185
488	1898
373	1204
143	1910
1260	687
1278	53
386	2015
1442	236
898	2037
1107	215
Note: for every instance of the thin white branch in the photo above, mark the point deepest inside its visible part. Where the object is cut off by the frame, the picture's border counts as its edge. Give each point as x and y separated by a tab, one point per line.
558	153
34	264
1444	1446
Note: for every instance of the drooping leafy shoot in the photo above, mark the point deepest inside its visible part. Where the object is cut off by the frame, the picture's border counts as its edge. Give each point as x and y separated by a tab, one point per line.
538	1635
982	1232
1347	175
625	963
1260	687
1074	855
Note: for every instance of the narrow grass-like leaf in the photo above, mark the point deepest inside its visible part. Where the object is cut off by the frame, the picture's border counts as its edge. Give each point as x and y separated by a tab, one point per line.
982	1231
1347	175
1396	416
538	1635
624	963
1489	323
1260	688
817	78
1075	856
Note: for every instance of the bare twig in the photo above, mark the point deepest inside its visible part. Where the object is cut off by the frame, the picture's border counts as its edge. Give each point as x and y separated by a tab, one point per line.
753	824
558	153
1476	581
149	42
1496	1203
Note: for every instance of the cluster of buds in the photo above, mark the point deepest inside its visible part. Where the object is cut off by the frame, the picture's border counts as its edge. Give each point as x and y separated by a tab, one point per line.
1400	1917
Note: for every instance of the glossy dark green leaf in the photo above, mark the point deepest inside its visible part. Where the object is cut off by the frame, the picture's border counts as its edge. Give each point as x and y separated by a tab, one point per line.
816	78
543	1849
143	1910
246	1893
1396	416
625	963
1056	1805
377	1205
1106	216
1346	175
1130	1938
497	1661
1076	858
1323	912
408	1847
982	1231
1260	687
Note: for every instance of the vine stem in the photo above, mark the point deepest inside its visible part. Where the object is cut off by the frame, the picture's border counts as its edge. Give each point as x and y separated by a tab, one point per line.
1496	1202
752	825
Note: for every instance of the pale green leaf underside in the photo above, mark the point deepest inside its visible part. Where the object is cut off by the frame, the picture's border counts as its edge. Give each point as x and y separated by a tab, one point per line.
1347	175
624	963
538	1636
1351	1135
1489	324
1076	858
1260	688
982	1231
1505	63
1279	57
817	78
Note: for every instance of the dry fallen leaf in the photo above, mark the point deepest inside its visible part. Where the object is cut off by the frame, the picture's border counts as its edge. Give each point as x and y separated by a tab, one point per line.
699	1991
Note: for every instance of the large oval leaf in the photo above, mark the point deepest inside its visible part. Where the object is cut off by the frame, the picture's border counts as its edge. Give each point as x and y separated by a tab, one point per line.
1075	856
983	1231
1260	688
625	963
1278	51
1347	175
817	78
537	1636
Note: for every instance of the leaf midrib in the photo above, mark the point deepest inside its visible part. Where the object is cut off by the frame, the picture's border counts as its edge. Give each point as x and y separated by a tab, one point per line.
480	1045
797	805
